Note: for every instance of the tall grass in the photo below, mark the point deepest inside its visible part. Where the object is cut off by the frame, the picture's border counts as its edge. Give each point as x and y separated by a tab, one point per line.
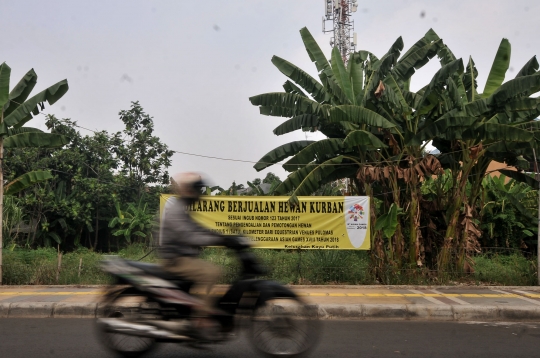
512	269
39	267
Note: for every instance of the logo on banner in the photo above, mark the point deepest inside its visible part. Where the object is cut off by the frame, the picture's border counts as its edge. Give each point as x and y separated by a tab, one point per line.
356	213
356	220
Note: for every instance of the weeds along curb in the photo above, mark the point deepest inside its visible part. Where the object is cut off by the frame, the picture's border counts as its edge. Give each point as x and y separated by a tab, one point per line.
408	312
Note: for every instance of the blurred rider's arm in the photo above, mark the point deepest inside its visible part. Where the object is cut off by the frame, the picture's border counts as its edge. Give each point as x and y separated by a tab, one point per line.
181	235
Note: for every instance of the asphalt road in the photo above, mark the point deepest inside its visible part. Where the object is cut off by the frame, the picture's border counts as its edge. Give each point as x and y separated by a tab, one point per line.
75	338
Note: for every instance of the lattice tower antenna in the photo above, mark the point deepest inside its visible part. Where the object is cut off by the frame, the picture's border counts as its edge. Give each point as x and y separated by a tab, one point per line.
339	13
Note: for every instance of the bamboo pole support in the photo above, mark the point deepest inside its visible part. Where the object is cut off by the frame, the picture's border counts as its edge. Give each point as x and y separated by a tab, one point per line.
59	267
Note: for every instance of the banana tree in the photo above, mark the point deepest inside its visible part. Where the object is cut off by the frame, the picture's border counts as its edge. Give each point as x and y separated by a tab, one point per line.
367	112
377	131
16	109
511	208
498	124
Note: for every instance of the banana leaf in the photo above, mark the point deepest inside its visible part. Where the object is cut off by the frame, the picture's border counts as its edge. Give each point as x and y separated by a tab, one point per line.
522	178
412	99
335	90
341	75
469	81
359	115
314	51
13	131
408	65
385	64
529	69
356	73
364	140
498	69
378	69
428	38
21	91
446	56
524	86
320	151
388	222
296	103
278	154
5	72
478	107
446	128
290	87
506	147
498	132
441	76
369	89
391	83
24	112
307	180
35	140
295	123
303	79
454	94
276	111
26	180
340	172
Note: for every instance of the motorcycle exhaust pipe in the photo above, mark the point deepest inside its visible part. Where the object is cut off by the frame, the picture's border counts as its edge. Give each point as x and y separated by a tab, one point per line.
138	329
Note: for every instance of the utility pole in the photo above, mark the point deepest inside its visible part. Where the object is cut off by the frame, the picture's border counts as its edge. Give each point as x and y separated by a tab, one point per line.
339	12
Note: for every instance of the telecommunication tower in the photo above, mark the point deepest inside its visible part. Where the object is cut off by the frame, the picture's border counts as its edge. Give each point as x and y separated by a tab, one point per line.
339	13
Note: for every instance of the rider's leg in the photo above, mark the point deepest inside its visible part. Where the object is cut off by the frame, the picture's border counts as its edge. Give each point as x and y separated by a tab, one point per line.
203	274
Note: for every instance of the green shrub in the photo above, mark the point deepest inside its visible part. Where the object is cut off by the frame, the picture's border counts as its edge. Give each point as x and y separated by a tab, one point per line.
508	270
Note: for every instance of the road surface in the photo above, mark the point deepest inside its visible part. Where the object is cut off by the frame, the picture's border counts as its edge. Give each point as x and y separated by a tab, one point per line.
343	339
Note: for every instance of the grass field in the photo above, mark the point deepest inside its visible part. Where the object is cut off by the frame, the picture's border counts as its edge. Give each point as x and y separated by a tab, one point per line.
40	267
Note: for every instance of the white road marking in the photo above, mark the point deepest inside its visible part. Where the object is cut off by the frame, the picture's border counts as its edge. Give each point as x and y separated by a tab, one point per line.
430	299
455	299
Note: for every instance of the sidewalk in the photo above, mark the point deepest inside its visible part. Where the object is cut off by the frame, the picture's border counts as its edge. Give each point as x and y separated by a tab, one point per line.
449	303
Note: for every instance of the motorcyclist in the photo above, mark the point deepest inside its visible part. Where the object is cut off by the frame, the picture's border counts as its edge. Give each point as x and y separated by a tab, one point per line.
181	239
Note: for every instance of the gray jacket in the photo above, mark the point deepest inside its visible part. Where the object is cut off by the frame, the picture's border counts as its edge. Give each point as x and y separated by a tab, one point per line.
180	235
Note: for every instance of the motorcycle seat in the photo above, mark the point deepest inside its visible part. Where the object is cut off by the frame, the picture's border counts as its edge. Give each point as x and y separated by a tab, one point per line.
158	271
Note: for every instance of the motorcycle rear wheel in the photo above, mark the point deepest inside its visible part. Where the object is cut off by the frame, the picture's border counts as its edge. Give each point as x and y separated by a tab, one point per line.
125	305
284	327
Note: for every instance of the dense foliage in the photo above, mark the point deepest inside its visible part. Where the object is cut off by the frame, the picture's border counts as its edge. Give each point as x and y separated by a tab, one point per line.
95	179
377	131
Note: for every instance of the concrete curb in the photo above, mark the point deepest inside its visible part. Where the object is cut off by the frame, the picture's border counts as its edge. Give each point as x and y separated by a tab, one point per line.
423	312
409	312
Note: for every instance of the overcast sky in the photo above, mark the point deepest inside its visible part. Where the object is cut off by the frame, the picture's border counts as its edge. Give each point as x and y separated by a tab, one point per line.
193	65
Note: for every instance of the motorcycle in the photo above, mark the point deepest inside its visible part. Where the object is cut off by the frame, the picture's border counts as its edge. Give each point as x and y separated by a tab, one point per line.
148	305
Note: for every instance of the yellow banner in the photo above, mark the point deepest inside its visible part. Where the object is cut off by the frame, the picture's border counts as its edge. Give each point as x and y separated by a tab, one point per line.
318	222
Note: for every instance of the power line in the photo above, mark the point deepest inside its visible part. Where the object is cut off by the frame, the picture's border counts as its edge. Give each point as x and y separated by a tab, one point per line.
299	164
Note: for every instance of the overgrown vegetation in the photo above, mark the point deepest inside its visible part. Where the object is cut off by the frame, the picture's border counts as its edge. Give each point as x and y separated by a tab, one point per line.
104	188
40	267
378	130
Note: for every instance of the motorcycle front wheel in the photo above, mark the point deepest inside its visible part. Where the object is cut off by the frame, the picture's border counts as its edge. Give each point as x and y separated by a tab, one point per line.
284	327
129	306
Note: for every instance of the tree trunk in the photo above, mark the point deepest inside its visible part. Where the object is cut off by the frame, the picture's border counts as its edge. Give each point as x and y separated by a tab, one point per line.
453	239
